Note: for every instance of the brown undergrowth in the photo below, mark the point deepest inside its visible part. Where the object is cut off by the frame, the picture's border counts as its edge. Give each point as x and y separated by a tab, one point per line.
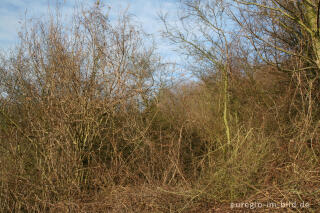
86	127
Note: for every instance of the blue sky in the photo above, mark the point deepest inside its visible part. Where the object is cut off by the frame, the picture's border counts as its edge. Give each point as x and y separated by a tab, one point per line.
13	13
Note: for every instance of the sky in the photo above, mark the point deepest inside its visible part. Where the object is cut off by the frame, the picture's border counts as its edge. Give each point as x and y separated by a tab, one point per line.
146	12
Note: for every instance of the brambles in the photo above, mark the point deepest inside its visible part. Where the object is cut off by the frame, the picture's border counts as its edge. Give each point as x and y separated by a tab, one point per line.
86	127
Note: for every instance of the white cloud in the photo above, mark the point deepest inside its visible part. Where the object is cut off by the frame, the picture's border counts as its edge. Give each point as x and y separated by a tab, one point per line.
145	12
14	12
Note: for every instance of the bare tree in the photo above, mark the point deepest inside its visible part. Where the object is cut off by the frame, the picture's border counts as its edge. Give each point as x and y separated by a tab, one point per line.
204	40
282	29
74	97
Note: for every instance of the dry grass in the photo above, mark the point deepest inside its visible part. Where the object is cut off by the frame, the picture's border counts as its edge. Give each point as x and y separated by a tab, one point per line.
84	127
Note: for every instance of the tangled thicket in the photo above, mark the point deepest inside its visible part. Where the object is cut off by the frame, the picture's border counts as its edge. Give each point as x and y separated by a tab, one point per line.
85	126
